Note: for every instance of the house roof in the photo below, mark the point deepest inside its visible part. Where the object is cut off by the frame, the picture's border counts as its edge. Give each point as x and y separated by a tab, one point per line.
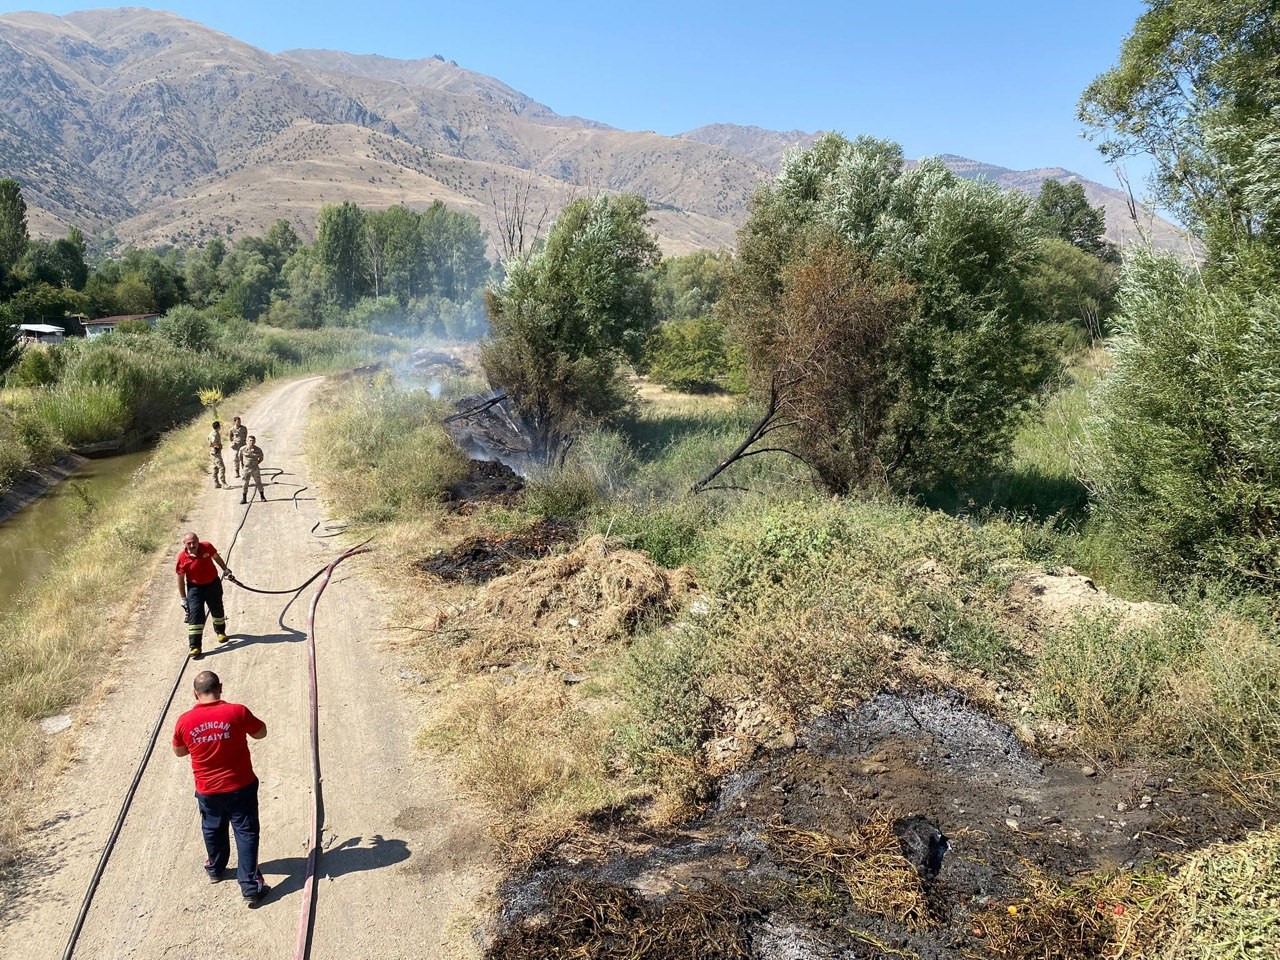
40	328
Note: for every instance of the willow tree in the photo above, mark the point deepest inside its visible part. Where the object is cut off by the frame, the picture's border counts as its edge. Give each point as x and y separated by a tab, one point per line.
934	357
564	319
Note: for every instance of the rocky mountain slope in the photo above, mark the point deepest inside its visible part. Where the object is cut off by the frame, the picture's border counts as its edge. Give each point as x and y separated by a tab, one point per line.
169	132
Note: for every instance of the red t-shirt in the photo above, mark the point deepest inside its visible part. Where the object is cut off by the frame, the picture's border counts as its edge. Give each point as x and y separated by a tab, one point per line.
198	569
215	733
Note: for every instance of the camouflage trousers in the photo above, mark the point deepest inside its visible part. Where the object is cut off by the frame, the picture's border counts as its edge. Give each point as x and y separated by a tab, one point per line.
250	473
219	468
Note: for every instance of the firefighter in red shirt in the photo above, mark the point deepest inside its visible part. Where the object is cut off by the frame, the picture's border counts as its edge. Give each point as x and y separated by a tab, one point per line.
213	733
199	587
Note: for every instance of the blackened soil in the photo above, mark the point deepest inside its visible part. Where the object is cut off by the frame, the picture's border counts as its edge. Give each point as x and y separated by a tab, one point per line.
486	480
480	559
1000	806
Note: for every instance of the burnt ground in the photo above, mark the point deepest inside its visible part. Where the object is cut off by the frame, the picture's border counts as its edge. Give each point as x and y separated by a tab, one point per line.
622	890
480	559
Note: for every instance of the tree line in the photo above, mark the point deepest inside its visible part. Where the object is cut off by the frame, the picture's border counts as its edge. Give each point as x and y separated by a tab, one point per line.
411	271
893	326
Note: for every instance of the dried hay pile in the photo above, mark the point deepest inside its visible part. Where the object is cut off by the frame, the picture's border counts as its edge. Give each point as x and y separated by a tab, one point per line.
606	922
598	592
868	865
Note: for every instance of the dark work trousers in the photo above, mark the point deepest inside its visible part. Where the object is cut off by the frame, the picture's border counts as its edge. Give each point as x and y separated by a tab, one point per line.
201	596
239	811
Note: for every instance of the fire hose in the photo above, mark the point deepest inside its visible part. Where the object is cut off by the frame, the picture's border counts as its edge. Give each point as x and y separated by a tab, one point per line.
306	921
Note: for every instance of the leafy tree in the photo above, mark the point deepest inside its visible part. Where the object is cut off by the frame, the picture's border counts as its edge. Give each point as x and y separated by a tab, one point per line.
186	327
1197	89
1068	286
10	352
965	362
453	245
689	286
1184	449
132	295
1065	212
13	225
565	316
340	251
203	281
689	355
284	239
394	248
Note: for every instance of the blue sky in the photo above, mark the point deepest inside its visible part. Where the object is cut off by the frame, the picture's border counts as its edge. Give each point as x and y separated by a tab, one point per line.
993	80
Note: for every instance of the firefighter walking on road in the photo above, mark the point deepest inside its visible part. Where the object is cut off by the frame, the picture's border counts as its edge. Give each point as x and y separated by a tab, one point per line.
215	455
237	437
200	588
252	457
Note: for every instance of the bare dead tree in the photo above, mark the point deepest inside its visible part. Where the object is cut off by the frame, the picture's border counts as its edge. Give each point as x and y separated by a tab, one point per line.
519	216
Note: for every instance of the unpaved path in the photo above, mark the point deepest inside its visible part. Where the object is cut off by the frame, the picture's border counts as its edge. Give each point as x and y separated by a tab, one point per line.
405	859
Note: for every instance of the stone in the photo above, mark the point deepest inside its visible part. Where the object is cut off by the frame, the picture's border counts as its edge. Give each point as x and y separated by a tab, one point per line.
573	677
54	725
1089	771
1015	809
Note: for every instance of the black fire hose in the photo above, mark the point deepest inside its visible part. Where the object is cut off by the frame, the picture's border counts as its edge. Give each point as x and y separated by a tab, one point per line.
304	939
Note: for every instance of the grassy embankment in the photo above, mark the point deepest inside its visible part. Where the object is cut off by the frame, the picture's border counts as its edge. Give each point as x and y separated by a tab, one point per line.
85	392
48	656
808	605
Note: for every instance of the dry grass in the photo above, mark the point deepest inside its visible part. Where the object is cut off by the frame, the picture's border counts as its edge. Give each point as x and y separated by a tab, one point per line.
1223	903
48	658
532	749
1051	920
603	593
605	922
868	865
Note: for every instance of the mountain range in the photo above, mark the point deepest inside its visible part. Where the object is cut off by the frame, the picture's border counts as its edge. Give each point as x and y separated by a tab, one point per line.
166	131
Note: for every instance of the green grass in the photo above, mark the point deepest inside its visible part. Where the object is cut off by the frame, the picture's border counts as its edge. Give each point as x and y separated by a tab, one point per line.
384	449
138	385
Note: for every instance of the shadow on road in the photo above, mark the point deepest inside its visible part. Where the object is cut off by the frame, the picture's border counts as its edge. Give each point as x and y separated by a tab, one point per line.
350	856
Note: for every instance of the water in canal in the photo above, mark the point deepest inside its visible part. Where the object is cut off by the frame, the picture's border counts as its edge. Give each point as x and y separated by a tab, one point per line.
34	538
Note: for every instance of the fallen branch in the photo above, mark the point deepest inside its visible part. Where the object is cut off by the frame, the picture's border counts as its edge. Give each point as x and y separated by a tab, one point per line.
480	408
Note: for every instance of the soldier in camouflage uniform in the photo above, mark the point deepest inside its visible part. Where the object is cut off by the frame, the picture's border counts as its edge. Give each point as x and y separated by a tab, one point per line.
215	455
237	437
252	457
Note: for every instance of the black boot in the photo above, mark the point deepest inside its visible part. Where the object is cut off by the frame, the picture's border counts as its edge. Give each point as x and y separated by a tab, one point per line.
262	496
243	500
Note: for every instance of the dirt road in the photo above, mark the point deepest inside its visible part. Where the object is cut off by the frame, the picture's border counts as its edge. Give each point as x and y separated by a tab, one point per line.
405	859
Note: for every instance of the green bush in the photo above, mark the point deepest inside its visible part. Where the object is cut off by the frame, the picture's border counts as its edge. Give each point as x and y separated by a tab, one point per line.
1184	445
688	355
186	327
1200	683
38	367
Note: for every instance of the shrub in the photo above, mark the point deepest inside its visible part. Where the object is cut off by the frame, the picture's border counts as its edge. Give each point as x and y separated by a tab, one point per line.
1184	444
688	355
185	327
37	367
84	413
386	445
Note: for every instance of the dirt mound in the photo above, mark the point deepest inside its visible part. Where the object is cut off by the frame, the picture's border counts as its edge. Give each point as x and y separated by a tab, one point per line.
1053	600
598	591
481	559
